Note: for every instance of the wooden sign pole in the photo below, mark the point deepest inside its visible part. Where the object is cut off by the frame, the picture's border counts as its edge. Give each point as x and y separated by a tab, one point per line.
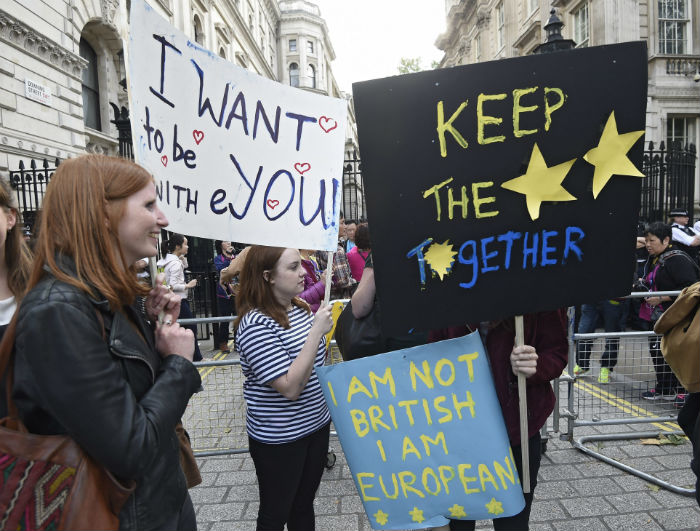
522	396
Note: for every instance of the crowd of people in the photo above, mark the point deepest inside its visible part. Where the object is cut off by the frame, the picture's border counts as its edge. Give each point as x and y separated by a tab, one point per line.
89	363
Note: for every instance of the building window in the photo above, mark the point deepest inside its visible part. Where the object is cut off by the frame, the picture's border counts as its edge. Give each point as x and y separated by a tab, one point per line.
477	49
292	45
673	26
91	87
222	52
311	74
531	6
309	47
501	26
294	75
581	26
198	33
680	131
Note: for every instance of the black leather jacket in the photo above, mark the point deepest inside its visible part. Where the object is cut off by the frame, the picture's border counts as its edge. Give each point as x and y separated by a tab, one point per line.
82	370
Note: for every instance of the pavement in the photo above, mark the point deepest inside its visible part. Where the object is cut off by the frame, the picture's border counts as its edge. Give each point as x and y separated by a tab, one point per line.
575	491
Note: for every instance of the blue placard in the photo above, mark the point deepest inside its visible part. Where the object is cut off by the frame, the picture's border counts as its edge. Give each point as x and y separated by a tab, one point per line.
424	436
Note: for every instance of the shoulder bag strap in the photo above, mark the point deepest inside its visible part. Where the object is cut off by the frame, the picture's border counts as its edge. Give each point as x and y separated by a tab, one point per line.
7	364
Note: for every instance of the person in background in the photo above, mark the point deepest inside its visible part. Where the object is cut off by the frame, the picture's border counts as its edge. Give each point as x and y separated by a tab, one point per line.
225	301
174	269
15	258
350	228
314	281
358	254
343	284
684	237
610	311
87	364
280	343
541	359
666	269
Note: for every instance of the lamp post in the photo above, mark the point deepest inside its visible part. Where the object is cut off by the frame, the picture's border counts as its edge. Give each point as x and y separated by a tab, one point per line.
554	41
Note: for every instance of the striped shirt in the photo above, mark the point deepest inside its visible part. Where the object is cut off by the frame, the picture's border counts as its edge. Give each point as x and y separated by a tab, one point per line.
267	350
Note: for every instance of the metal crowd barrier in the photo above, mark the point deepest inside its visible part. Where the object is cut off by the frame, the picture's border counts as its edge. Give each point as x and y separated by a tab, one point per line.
215	417
619	402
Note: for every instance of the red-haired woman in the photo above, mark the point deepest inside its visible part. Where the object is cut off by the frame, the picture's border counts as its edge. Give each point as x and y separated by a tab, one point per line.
280	342
87	364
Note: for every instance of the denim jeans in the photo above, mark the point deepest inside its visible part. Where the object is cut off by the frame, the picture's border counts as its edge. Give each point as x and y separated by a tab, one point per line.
611	313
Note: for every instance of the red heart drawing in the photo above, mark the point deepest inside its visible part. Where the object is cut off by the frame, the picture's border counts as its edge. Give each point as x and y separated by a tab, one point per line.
198	135
327	124
272	203
302	167
164	160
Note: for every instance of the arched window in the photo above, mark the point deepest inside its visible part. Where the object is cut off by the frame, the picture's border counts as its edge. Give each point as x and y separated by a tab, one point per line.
311	74
294	75
198	33
222	52
91	87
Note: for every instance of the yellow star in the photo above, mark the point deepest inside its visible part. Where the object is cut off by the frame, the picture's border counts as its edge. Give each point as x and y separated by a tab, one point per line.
457	511
381	517
541	183
494	507
610	157
417	515
440	257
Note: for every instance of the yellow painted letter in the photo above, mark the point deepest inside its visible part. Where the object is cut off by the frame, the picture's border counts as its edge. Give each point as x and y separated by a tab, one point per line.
443	126
483	121
359	421
360	477
517	109
549	109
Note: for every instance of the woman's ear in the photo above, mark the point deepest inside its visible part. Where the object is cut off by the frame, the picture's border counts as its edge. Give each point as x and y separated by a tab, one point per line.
267	276
11	219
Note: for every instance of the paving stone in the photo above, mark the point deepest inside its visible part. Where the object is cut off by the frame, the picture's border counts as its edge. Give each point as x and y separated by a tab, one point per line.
672	519
632	502
351	504
596	486
589	524
559	472
244	477
243	493
632	522
207	494
588	506
208	478
336	488
645	450
219	465
565	457
668	499
545	511
630	483
326	505
231	526
598	469
251	512
219	512
677	461
344	522
554	490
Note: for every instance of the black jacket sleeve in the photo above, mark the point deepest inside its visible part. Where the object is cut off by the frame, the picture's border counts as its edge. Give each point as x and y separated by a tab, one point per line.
64	371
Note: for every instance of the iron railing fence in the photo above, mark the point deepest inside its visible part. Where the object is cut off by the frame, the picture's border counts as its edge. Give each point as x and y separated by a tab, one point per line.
669	182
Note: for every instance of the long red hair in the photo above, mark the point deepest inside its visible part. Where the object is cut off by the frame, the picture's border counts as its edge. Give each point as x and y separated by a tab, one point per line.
84	203
255	291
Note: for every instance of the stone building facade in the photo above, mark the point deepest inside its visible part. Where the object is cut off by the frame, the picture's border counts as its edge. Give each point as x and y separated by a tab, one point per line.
62	72
484	30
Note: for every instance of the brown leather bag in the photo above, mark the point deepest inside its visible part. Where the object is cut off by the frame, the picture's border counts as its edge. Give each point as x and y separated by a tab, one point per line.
187	460
48	481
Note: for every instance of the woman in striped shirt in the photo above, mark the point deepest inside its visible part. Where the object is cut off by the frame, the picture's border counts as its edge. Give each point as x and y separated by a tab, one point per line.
280	342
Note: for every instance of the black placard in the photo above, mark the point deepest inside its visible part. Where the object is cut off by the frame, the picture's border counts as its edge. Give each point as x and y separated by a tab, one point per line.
455	136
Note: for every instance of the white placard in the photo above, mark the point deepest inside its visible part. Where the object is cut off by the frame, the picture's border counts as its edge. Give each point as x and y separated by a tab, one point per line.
37	92
235	156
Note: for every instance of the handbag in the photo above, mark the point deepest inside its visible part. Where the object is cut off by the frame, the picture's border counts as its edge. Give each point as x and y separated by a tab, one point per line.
187	460
680	342
358	338
48	481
